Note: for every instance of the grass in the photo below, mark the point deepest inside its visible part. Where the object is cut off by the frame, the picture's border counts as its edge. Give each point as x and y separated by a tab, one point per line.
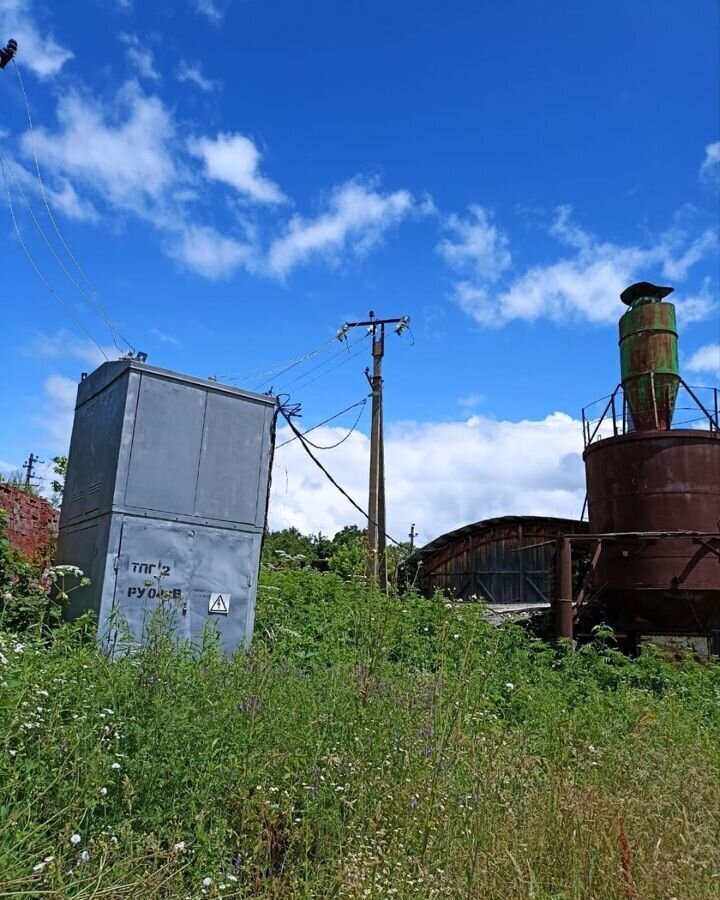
364	748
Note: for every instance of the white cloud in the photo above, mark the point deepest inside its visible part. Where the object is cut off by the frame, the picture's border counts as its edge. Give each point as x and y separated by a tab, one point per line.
356	218
710	166
588	282
469	401
63	198
58	411
165	338
66	345
705	359
140	56
210	253
696	307
123	152
439	475
234	160
210	9
477	246
677	268
38	51
192	73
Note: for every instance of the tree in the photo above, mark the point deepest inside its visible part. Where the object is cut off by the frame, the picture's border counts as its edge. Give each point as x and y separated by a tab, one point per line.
58	484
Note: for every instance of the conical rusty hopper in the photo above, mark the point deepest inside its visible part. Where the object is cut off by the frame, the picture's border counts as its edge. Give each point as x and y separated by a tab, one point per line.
649	356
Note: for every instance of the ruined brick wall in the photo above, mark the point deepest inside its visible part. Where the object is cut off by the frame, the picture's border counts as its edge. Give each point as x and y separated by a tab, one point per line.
32	522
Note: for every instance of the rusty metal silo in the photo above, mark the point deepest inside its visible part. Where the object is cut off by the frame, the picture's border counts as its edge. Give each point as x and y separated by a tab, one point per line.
653	491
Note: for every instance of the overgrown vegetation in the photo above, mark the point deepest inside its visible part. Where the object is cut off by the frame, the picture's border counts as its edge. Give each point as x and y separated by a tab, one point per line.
364	747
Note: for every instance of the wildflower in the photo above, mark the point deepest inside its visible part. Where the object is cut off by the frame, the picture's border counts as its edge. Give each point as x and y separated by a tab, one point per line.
85	856
509	686
591	749
12	752
456	636
42	693
207	882
116	765
75	838
179	847
427	752
414	802
103	791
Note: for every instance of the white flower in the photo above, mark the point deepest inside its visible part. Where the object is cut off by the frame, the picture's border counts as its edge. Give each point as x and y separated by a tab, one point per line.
115	765
75	839
180	846
39	867
103	791
42	693
113	840
456	636
207	882
509	686
591	749
85	856
12	752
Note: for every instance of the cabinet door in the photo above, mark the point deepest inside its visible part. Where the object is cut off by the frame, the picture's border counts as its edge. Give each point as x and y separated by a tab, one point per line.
222	596
153	577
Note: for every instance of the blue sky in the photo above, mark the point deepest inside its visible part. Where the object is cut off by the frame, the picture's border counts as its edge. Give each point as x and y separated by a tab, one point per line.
239	178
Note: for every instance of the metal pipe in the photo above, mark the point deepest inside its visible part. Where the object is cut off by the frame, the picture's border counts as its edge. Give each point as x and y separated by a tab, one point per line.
563	602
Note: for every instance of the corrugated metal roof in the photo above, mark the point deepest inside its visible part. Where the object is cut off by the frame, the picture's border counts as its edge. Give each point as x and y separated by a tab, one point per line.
571	525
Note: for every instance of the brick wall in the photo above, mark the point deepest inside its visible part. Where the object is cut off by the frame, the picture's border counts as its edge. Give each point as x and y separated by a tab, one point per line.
32	522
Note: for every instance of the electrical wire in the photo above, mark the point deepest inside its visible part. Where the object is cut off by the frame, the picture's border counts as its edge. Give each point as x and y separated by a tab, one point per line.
100	309
336	366
40	275
303	359
299	435
362	403
325	362
260	372
50	247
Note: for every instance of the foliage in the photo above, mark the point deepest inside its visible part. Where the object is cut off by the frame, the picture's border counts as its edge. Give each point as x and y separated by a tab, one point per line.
366	746
31	598
17	479
58	484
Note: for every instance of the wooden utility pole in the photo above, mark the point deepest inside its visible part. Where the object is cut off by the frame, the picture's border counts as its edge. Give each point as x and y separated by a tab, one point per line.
30	465
376	566
412	536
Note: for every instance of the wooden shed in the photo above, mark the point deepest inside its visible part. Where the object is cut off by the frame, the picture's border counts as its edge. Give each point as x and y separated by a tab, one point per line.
508	560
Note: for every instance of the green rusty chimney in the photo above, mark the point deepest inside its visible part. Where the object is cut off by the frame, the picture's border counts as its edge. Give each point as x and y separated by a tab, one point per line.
649	356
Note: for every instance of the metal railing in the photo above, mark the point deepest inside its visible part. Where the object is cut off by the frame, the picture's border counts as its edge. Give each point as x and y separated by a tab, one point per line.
694	407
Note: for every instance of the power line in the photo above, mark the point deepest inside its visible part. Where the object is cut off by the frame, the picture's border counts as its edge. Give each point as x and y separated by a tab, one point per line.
362	403
299	435
303	359
259	372
100	309
40	275
93	305
325	362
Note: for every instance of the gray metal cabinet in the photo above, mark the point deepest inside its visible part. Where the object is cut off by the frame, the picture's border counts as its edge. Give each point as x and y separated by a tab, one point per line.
165	501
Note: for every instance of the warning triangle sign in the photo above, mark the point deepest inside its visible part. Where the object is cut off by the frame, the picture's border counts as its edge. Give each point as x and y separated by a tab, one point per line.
219	604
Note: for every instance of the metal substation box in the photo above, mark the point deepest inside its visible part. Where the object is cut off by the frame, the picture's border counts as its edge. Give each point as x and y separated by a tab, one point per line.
165	502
